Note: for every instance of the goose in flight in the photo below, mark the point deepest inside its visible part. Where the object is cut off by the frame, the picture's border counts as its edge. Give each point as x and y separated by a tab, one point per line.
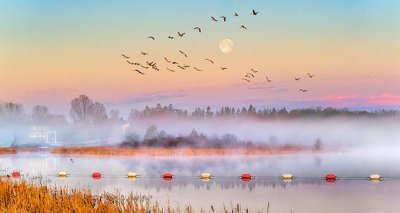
170	69
197	69
268	79
223	68
214	19
236	14
303	90
309	75
223	18
297	79
197	28
142	73
243	27
245	79
209	60
254	13
183	53
151	37
255	71
170	37
125	56
181	34
167	60
143	53
144	66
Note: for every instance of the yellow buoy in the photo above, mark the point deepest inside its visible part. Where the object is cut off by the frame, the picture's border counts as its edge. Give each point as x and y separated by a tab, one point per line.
287	176
132	175
205	176
62	174
375	177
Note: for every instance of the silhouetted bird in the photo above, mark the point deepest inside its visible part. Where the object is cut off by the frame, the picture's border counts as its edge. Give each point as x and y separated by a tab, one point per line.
197	28
236	14
125	56
170	37
303	90
181	67
255	71
250	74
209	60
245	79
309	75
254	13
213	19
243	27
170	69
181	34
197	69
223	18
144	67
297	79
138	71
186	66
223	68
129	62
149	63
167	60
183	53
151	37
175	62
143	53
268	79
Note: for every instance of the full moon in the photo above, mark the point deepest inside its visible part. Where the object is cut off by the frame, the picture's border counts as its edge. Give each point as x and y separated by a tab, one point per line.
226	45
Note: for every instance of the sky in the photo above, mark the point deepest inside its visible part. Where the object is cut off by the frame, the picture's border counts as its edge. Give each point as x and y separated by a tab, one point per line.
53	51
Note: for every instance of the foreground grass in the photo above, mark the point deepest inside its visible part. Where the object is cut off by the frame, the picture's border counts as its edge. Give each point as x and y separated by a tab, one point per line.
8	150
22	196
177	151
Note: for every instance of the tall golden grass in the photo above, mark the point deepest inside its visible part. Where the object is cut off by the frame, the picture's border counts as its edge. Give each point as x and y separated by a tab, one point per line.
8	150
22	196
176	151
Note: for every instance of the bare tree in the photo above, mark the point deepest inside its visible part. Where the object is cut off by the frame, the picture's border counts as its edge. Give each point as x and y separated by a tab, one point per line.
81	109
99	113
40	114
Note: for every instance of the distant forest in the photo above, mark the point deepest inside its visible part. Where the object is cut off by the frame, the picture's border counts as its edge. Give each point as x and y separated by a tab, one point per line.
86	111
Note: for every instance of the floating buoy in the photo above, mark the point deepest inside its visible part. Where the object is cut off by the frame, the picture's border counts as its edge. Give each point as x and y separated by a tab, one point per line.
205	176
15	174
168	176
96	175
287	176
330	177
375	177
246	177
62	174
132	175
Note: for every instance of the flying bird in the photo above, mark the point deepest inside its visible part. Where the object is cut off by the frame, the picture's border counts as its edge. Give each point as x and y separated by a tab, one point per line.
250	74
255	71
197	28
129	62
170	69
143	53
213	19
183	53
170	37
297	79
223	18
309	75
186	66
197	69
167	60
268	79
303	90
125	56
236	14
175	62
243	27
254	13
181	67
151	37
181	34
209	60
223	68
245	79
138	71
144	67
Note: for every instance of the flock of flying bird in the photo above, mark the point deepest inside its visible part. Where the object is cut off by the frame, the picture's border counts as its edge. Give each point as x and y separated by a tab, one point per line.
153	65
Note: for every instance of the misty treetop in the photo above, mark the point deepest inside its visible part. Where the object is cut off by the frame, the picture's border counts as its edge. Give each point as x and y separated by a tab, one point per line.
87	112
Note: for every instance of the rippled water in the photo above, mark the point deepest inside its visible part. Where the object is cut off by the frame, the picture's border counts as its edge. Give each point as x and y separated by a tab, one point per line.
301	195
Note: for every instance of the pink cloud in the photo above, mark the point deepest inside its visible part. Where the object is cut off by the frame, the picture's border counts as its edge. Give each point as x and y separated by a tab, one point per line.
384	99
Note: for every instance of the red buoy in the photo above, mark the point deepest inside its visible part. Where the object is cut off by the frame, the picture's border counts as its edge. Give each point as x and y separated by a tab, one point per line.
15	174
330	177
246	177
96	175
167	176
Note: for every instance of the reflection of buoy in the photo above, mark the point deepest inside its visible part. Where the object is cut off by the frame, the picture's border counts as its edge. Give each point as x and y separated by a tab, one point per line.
167	176
132	175
330	178
62	174
287	176
15	174
205	176
96	175
246	177
375	178
287	180
132	178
